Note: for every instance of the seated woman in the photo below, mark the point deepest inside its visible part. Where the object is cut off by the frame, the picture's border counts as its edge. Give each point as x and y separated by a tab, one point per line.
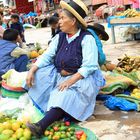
66	79
11	55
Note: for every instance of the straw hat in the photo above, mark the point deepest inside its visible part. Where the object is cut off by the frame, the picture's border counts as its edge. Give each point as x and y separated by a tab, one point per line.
77	8
99	29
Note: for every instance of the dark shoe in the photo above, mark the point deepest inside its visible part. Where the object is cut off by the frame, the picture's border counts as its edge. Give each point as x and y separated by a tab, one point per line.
35	129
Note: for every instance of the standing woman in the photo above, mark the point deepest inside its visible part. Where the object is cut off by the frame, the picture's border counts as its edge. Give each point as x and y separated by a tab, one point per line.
66	79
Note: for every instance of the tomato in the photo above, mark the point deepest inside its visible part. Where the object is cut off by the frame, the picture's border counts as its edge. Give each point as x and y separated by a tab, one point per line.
55	128
67	123
78	137
79	132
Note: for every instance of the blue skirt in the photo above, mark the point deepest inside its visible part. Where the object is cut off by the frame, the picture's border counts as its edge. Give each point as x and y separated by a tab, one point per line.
78	100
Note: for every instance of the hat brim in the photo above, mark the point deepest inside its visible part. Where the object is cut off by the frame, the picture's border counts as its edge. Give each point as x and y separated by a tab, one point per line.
103	33
66	6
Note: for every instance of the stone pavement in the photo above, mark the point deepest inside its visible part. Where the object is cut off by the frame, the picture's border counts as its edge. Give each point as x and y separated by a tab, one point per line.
106	124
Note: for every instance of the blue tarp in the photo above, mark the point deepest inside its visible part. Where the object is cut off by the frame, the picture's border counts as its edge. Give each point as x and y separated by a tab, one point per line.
30	14
115	103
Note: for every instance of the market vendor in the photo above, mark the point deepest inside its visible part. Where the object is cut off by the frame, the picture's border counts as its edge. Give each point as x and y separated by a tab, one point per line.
12	56
66	79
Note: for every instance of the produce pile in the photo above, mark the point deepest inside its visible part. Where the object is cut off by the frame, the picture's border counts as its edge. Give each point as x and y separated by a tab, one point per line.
36	51
12	129
129	13
128	64
64	131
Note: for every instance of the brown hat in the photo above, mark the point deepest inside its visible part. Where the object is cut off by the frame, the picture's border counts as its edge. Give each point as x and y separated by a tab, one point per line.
99	29
77	8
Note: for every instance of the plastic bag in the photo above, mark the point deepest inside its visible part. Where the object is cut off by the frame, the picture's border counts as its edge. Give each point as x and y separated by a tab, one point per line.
10	107
10	79
115	103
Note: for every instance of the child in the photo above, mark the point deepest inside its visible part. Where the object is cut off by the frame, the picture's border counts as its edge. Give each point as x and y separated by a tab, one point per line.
99	33
12	56
53	22
17	25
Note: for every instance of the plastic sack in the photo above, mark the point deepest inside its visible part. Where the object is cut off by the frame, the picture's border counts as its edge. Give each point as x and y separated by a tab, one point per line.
115	103
22	109
31	114
10	107
10	79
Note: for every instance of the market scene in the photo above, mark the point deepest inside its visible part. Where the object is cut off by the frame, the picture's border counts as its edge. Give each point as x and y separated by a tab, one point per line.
69	69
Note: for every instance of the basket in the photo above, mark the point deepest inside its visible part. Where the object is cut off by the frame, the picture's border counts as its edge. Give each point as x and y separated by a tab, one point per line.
11	92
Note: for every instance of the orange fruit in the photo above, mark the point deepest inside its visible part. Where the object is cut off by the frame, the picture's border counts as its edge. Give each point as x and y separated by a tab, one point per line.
15	126
34	54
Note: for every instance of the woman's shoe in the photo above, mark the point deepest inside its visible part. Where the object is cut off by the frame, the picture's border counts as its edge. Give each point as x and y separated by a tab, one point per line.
35	129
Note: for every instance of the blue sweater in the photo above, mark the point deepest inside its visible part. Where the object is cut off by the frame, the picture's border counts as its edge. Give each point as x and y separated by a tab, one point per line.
6	60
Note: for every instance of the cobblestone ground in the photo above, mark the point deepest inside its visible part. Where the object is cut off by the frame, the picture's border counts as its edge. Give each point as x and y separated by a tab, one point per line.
106	124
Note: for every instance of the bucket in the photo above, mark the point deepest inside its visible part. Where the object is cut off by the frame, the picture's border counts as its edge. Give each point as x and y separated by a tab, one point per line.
11	92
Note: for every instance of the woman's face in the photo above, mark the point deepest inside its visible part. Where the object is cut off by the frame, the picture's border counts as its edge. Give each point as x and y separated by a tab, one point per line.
66	23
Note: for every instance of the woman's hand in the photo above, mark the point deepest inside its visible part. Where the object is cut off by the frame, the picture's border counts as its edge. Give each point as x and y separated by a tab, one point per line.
30	79
30	76
66	84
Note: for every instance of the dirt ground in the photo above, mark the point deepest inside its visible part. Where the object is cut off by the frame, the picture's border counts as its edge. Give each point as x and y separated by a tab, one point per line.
106	124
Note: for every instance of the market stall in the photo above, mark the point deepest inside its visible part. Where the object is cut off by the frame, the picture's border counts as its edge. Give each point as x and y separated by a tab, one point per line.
122	21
